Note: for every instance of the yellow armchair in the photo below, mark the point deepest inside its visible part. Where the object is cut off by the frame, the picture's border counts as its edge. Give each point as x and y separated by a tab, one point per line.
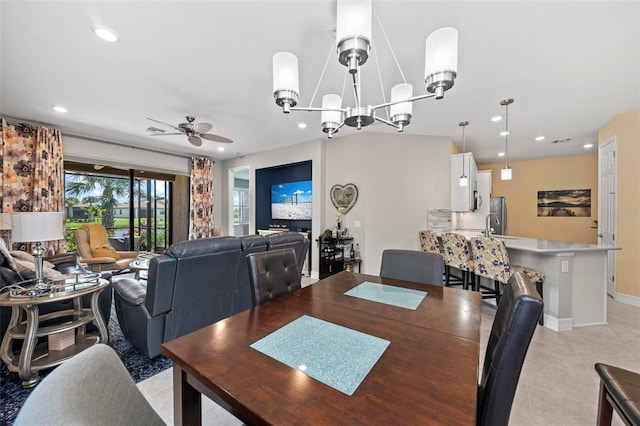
94	249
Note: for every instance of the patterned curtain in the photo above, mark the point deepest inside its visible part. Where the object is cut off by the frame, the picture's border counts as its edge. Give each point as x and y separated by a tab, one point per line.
201	216
32	174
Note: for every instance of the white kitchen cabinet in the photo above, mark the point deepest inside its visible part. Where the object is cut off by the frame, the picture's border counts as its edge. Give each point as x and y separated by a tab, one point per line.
463	198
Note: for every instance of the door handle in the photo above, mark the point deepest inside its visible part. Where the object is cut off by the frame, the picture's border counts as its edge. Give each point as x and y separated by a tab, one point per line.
600	235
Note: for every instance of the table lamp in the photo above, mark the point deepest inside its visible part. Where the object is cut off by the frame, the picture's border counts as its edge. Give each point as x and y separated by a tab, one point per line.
37	227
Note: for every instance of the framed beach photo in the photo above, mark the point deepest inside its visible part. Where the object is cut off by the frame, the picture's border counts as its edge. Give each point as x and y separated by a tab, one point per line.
565	203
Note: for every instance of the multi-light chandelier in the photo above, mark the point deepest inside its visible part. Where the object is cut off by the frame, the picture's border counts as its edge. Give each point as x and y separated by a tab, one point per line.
506	172
353	41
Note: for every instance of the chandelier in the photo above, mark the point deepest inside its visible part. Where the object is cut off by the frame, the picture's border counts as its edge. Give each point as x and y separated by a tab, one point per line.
353	42
506	172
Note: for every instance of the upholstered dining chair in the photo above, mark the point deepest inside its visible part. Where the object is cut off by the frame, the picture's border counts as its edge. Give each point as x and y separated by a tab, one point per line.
412	265
513	327
457	255
272	274
92	388
620	391
491	260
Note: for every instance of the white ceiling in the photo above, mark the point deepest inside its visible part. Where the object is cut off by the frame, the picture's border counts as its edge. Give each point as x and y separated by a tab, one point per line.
570	66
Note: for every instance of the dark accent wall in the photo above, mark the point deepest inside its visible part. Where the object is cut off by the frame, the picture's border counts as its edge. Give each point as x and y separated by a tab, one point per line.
279	174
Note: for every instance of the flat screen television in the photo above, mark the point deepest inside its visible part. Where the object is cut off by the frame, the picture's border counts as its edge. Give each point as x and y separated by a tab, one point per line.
291	200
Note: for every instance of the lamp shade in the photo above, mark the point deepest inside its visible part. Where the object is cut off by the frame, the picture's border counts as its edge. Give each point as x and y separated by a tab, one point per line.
331	101
37	226
399	92
354	19
506	174
5	221
441	52
285	72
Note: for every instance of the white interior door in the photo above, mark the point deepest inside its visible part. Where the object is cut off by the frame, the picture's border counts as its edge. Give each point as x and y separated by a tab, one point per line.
607	214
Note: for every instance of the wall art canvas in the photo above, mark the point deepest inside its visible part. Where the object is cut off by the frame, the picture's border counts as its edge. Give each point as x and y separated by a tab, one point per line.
565	203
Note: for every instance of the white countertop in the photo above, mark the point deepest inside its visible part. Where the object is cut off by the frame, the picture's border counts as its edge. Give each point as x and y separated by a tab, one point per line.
539	246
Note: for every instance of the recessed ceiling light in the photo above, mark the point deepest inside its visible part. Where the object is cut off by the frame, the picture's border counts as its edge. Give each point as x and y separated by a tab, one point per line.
220	148
540	138
501	154
302	125
588	145
505	133
107	34
59	108
496	118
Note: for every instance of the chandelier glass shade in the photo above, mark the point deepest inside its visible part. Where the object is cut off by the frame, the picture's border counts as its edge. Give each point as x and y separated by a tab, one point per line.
353	45
506	173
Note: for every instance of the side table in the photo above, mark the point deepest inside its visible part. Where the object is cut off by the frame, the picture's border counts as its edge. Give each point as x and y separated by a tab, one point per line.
34	357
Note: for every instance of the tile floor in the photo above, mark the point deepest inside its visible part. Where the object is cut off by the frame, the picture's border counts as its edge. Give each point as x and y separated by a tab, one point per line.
558	385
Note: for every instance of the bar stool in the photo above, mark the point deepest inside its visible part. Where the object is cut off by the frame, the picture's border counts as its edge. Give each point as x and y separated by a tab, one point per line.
429	242
492	261
456	254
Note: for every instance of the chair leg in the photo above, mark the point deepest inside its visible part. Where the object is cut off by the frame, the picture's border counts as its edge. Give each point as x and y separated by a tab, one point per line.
496	285
447	272
465	284
605	410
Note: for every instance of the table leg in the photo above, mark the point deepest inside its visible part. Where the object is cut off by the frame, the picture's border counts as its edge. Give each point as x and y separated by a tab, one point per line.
29	378
97	317
187	401
6	351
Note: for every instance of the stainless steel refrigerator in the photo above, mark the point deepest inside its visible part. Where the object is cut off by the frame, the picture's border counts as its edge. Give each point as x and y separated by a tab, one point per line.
498	210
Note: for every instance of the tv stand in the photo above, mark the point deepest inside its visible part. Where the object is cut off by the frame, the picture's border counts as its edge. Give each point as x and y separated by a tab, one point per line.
306	234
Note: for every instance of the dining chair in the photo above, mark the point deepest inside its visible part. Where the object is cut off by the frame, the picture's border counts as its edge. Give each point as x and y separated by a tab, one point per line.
619	390
513	326
412	265
272	274
457	255
92	388
491	260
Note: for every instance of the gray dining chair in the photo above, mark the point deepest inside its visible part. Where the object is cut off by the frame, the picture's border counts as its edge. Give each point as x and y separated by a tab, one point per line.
412	265
513	326
92	388
272	274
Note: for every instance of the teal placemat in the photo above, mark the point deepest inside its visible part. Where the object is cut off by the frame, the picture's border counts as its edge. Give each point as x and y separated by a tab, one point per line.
334	355
391	295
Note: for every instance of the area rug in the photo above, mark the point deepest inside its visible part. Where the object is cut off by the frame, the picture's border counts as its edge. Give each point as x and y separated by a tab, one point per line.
13	395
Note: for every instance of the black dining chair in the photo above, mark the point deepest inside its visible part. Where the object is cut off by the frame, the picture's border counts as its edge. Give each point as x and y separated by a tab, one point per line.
513	326
412	265
273	274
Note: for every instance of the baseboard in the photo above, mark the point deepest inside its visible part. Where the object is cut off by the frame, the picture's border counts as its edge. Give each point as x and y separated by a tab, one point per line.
315	275
627	298
555	324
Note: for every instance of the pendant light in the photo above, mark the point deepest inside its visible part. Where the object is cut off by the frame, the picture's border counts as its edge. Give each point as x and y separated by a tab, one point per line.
464	180
506	172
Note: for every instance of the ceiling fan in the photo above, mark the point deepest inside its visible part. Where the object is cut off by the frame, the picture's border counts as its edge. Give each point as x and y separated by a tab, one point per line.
195	132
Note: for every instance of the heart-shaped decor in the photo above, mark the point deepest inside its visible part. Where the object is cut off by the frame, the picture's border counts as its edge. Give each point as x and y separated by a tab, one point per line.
344	197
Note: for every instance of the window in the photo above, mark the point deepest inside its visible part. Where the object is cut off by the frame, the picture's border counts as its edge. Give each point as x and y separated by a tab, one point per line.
241	206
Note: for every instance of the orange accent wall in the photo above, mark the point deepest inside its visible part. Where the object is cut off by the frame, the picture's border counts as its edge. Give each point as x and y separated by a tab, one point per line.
521	194
626	129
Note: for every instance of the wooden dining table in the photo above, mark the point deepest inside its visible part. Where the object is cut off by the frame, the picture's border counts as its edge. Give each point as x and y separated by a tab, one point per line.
426	375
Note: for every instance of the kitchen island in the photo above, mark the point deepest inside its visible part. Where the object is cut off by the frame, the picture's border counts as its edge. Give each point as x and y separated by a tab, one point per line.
575	285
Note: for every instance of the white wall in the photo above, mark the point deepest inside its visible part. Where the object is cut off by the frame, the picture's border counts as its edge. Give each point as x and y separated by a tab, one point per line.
92	151
399	177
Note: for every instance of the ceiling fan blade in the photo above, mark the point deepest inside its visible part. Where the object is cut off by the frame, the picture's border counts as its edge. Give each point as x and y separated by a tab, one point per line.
164	134
215	138
196	141
202	127
166	124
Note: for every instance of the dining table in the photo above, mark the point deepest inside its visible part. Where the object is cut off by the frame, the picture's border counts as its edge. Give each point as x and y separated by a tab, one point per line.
349	349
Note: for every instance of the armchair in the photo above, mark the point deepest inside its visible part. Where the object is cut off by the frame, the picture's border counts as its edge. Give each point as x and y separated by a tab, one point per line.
190	286
97	253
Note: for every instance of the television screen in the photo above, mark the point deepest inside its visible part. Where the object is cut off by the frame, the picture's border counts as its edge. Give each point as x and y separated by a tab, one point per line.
291	200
